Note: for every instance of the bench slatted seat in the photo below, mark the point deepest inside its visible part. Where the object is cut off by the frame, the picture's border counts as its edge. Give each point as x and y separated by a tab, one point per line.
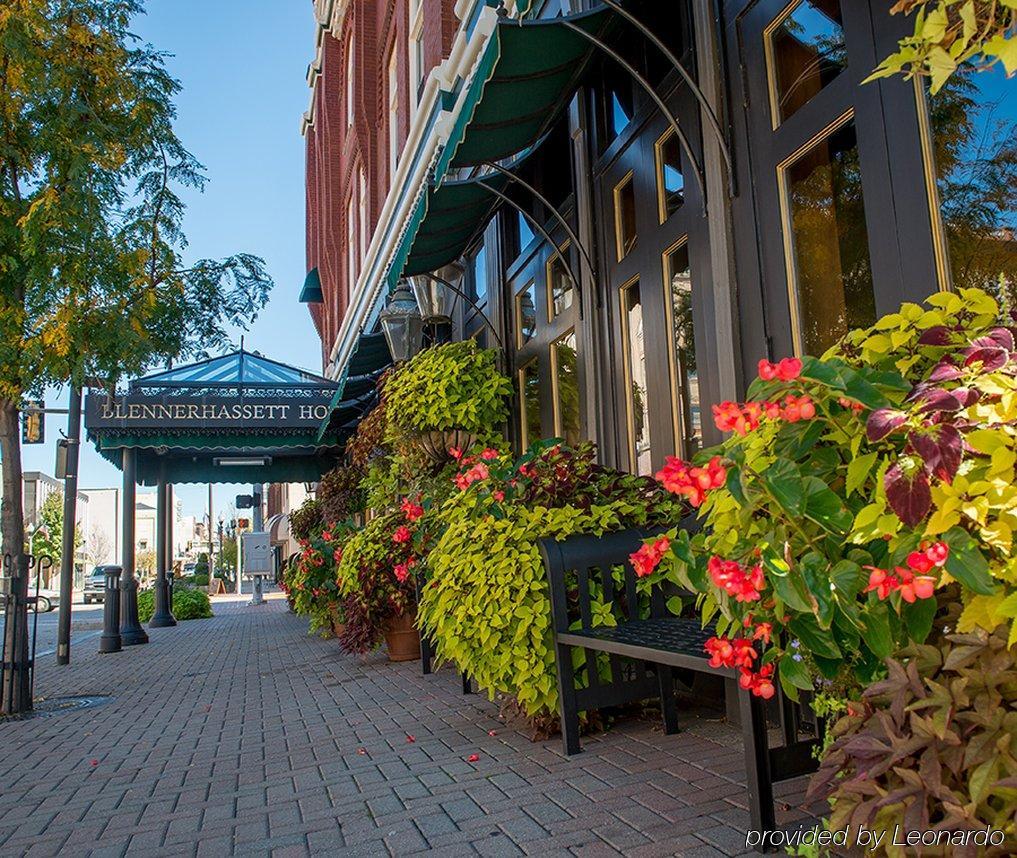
644	648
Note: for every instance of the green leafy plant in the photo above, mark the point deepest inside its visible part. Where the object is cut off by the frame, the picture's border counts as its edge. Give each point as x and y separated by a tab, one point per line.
852	487
451	386
486	601
949	33
310	581
305	520
375	579
188	604
933	747
340	494
200	580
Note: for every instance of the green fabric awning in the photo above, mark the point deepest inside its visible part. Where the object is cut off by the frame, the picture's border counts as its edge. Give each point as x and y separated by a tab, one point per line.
526	76
528	73
454	212
192	458
311	292
357	387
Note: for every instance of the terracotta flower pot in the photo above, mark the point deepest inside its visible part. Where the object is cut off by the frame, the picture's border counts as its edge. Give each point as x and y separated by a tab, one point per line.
402	638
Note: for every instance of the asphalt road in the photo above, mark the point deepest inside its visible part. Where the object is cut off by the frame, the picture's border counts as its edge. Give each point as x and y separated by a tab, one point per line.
86	626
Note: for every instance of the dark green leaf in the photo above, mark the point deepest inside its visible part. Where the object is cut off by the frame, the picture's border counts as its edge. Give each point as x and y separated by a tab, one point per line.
848	579
788	583
813	638
793	676
878	637
784	482
734	485
825	508
918	618
966	563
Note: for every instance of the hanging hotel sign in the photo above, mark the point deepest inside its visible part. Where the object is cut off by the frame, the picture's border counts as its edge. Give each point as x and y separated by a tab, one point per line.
136	411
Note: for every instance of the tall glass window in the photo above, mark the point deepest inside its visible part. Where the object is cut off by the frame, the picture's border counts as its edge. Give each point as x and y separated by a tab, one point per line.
805	52
682	350
478	276
636	393
559	285
670	181
973	120
564	373
826	241
625	216
529	400
524	231
526	314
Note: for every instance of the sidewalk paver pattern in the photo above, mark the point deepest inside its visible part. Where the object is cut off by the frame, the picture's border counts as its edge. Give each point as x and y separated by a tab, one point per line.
242	735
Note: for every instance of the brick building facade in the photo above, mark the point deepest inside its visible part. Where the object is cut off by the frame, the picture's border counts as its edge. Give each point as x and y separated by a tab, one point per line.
372	61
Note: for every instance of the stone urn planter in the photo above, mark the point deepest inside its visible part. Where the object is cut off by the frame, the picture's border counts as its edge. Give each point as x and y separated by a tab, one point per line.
438	443
402	638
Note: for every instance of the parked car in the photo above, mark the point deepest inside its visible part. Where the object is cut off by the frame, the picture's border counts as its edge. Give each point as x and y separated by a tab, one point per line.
189	570
47	599
95	586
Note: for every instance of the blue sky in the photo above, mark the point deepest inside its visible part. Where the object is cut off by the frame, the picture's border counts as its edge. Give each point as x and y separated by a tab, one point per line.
242	64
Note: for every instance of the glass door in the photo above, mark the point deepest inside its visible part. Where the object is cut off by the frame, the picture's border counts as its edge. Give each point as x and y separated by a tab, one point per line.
831	245
653	253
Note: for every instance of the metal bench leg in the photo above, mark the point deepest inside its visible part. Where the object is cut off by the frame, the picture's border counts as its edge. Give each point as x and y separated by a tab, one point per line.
757	762
668	704
467	685
426	654
568	706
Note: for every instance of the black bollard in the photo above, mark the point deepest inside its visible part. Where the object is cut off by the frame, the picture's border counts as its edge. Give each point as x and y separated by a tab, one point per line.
163	616
131	631
110	640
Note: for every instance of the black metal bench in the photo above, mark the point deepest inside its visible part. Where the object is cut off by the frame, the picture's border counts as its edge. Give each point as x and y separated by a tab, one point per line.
427	645
644	650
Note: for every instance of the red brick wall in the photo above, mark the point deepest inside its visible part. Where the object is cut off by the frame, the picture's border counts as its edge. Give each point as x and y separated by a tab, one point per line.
333	154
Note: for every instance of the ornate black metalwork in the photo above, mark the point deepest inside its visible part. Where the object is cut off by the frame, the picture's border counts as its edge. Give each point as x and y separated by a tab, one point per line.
539	227
697	93
683	140
558	216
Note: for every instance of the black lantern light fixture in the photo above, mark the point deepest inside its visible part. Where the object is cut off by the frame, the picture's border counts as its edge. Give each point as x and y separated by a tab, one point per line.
435	299
402	324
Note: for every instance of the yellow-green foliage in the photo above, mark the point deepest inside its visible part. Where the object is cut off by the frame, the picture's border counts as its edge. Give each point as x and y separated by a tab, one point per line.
452	386
487	602
982	498
948	33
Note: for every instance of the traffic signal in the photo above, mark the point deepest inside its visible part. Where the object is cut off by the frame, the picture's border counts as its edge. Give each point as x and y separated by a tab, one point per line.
243	523
33	422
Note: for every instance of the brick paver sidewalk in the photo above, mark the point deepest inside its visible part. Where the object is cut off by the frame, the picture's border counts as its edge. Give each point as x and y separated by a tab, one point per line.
242	735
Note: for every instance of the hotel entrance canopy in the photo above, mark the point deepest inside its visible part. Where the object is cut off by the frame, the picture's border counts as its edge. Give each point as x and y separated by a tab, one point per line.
237	418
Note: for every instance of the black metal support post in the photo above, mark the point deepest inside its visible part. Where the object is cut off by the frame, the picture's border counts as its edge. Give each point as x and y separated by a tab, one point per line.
131	631
111	640
16	694
70	517
163	615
